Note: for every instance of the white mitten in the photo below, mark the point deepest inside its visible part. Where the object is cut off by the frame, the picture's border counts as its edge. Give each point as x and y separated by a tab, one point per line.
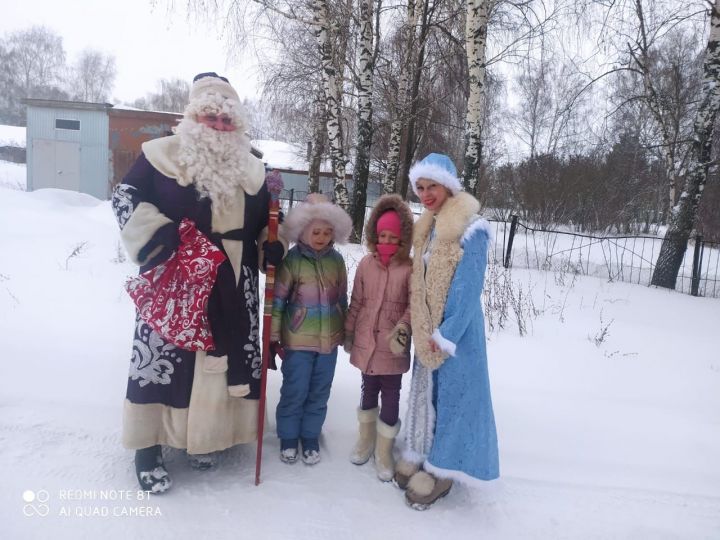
239	390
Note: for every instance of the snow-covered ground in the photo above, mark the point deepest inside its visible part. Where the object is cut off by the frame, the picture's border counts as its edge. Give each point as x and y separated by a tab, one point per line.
13	175
608	413
12	136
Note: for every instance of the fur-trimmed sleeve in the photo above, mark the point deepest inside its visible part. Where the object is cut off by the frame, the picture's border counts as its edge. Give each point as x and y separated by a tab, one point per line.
136	213
465	289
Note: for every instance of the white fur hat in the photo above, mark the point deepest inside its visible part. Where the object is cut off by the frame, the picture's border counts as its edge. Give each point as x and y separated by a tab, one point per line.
317	207
212	94
436	167
212	82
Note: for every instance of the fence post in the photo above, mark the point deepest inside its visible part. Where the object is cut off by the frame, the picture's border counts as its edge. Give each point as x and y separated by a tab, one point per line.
292	196
508	252
697	266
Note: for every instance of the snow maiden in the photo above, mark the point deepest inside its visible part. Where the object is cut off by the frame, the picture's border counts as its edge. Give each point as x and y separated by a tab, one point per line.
450	427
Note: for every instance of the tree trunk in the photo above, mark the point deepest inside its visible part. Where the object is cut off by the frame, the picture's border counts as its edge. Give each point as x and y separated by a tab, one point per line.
331	85
401	103
653	101
318	144
682	218
402	181
361	170
476	22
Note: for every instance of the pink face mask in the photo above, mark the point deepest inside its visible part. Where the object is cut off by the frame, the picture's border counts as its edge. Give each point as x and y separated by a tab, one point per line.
386	251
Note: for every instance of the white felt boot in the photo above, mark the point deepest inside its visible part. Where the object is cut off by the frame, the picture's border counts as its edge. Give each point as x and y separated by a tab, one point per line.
384	460
366	440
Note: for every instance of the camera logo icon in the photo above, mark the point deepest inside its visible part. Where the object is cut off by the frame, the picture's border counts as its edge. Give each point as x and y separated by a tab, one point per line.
35	503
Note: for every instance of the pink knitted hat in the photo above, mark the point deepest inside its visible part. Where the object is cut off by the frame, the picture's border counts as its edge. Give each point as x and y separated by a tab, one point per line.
389	221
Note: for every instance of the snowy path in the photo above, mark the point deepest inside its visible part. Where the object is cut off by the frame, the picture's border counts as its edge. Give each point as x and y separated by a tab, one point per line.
618	440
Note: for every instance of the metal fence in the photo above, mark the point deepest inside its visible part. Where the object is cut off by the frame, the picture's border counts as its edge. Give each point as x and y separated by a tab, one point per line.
617	258
289	197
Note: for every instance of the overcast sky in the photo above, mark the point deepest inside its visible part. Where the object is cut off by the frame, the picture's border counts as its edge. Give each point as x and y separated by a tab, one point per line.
148	43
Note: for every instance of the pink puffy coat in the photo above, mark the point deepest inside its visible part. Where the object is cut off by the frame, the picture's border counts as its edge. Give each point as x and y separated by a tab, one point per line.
381	298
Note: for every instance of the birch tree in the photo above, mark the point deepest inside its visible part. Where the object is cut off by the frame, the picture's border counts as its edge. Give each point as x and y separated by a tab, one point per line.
476	27
172	96
400	113
546	119
426	22
644	62
33	62
684	213
366	71
243	19
94	76
317	147
332	84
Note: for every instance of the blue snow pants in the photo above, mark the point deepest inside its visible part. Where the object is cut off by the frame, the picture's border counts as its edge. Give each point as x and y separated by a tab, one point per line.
305	390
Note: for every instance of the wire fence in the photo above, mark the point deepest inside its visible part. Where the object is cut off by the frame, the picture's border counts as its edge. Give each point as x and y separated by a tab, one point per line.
629	259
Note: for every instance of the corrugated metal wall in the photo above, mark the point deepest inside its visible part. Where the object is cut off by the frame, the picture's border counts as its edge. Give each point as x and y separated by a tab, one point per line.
92	137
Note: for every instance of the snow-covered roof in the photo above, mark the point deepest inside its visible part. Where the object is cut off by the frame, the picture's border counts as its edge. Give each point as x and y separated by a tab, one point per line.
282	155
122	107
12	136
291	156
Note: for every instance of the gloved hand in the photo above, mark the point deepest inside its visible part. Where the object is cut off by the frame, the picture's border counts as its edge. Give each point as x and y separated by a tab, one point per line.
348	344
274	252
399	338
218	351
166	236
275	349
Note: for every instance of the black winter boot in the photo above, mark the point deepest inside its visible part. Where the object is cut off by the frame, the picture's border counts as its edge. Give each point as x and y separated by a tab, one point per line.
150	470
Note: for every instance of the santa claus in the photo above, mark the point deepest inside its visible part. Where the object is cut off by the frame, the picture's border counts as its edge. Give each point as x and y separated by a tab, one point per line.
201	401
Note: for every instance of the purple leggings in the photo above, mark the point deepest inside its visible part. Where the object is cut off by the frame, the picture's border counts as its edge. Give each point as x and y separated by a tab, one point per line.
389	386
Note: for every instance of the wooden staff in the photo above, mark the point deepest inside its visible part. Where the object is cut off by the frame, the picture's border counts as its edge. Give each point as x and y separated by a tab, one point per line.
275	186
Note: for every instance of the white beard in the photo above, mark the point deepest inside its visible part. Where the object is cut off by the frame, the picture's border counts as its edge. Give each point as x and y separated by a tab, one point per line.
215	161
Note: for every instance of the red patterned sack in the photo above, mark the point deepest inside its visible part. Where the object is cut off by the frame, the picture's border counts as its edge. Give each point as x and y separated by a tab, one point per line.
173	297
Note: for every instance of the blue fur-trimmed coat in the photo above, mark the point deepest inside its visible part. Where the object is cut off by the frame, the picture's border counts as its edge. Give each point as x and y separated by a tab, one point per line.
450	262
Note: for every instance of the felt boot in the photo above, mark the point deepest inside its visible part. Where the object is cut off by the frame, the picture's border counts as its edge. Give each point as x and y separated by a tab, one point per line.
425	489
202	462
366	440
404	470
385	441
150	470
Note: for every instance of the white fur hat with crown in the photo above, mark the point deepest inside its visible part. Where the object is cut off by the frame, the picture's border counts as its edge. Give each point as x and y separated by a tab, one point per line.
438	168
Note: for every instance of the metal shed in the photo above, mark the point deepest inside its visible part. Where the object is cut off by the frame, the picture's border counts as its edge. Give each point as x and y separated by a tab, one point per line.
86	147
67	146
129	128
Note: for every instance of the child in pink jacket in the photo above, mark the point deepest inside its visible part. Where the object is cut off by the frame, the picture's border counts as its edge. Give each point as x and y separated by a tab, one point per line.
377	330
